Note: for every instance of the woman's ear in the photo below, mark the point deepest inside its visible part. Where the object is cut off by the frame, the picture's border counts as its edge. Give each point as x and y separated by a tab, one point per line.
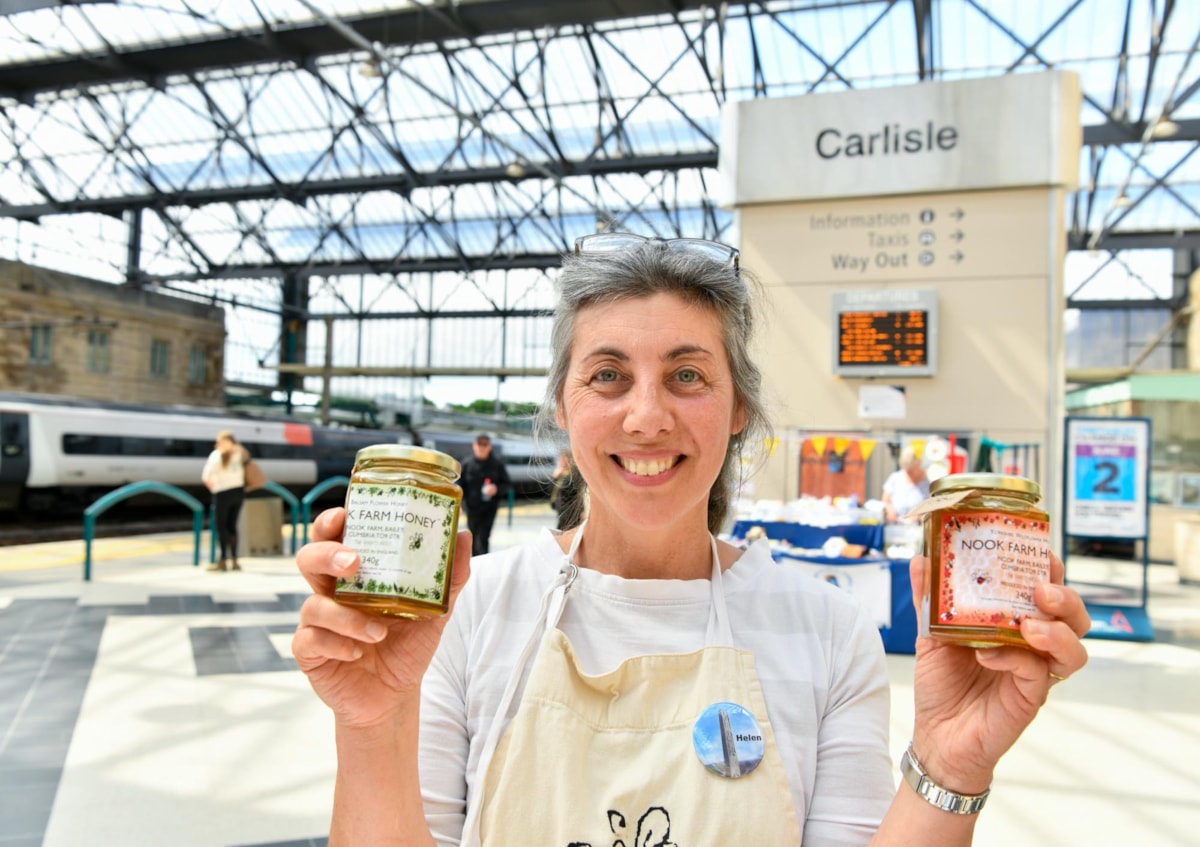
739	419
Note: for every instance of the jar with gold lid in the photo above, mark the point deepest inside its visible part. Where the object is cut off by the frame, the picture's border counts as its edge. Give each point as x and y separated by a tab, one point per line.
402	508
988	546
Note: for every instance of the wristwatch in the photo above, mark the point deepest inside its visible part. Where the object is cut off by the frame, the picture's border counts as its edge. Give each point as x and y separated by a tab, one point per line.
943	798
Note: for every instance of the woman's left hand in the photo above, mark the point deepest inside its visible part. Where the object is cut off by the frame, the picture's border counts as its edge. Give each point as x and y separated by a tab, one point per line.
972	704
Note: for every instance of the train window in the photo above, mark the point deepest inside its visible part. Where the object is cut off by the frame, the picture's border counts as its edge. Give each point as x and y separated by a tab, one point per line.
178	447
10	437
79	444
134	446
272	451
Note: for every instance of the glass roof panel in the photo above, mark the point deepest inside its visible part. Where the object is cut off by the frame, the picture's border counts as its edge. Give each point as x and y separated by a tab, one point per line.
502	143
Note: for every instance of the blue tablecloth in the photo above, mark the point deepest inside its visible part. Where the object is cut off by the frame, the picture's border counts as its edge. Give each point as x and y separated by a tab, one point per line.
812	537
901	636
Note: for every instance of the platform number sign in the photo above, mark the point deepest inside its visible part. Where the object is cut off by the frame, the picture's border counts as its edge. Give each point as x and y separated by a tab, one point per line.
1107	477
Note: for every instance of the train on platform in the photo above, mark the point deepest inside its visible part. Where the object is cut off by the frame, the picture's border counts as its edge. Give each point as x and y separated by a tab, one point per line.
59	454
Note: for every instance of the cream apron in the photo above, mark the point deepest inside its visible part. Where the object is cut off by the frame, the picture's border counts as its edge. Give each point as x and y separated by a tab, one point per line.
613	759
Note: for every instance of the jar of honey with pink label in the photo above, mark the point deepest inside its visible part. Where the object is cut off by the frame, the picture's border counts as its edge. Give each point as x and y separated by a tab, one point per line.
988	546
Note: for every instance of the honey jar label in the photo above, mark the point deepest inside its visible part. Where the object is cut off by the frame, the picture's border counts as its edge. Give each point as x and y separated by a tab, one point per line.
403	536
990	564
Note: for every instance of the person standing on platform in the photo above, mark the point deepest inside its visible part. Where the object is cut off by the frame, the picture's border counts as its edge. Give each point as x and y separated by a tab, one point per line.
906	487
484	481
224	475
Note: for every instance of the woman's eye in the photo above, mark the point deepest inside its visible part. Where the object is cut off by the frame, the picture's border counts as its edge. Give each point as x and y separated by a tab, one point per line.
688	376
607	375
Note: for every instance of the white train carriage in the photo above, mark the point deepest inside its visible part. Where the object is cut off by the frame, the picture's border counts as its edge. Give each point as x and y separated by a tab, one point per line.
54	453
65	452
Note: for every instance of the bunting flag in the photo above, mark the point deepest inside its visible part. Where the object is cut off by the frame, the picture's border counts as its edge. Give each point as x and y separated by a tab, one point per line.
918	445
818	443
840	445
866	447
771	445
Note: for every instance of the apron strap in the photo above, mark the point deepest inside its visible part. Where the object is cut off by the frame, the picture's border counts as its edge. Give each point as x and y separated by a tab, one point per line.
719	633
556	596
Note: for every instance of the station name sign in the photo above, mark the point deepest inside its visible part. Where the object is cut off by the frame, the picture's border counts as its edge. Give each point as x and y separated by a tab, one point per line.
890	139
1012	131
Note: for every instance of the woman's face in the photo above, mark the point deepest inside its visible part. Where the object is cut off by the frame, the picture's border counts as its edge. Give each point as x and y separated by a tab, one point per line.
649	405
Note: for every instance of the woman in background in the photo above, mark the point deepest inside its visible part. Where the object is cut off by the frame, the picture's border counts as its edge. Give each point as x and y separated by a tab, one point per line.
225	476
906	487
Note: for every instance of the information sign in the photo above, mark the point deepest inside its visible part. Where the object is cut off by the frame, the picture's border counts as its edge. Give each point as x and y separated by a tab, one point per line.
1107	477
887	332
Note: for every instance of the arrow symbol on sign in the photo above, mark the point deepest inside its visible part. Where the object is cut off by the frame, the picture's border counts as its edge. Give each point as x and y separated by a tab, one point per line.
957	235
958	214
957	256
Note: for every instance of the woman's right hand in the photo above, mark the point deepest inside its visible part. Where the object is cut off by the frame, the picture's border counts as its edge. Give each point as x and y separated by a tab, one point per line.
363	666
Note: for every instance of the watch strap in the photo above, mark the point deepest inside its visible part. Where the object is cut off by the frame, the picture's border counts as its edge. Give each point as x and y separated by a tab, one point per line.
943	798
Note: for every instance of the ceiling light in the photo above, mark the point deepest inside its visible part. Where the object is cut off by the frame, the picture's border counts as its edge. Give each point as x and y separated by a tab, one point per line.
515	171
1164	128
370	69
1122	201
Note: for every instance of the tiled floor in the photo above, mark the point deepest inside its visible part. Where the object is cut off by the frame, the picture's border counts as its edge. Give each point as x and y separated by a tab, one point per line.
157	706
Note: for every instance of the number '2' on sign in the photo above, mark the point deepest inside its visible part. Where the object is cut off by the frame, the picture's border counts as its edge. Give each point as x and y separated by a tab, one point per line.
1105	472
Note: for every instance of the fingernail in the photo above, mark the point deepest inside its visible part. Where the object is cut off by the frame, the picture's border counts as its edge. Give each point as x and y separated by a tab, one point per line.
343	559
376	631
1053	593
356	654
1036	626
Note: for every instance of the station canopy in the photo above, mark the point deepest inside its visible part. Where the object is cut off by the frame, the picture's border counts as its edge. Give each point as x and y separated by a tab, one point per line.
443	154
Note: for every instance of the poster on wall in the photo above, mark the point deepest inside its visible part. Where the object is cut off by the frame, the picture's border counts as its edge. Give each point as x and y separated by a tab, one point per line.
1107	477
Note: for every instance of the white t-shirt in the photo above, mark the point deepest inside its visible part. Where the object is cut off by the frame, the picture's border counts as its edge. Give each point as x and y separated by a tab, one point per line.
904	493
819	659
223	477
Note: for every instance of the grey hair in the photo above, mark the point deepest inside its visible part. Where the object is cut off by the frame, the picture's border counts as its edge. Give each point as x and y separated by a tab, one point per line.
652	268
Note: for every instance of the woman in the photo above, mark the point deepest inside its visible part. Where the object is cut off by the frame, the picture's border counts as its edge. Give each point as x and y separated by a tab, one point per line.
633	679
224	475
905	487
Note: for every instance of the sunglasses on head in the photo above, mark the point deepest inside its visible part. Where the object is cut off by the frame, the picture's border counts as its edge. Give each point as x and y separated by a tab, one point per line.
614	242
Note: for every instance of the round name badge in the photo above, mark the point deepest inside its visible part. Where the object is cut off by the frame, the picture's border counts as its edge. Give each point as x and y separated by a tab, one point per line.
728	740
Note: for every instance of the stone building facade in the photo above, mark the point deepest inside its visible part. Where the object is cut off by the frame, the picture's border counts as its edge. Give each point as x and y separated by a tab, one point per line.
66	335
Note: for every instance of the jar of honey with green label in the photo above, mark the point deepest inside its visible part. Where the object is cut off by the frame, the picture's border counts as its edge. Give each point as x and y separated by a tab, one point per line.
402	508
988	545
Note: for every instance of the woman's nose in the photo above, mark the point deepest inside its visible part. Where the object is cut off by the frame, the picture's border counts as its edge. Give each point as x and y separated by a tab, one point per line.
649	411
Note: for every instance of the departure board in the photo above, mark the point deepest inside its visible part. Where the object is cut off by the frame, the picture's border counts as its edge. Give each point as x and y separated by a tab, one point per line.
885	333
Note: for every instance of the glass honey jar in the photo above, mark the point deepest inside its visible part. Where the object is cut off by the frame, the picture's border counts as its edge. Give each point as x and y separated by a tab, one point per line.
402	508
988	546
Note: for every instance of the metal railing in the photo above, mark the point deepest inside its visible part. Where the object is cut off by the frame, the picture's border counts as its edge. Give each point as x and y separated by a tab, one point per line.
133	489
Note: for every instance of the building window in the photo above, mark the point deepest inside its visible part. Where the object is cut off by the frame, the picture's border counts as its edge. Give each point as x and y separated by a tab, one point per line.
198	366
160	356
39	344
97	351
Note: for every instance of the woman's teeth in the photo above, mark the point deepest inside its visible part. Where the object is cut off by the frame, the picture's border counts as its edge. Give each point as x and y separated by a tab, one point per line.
651	468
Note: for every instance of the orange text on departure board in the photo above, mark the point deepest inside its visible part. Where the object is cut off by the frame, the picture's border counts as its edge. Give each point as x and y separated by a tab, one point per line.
883	338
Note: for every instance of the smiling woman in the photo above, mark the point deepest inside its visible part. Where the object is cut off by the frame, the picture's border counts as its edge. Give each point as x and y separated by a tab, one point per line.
633	673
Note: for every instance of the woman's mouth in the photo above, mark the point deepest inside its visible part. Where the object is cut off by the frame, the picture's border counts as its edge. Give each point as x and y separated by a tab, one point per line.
648	467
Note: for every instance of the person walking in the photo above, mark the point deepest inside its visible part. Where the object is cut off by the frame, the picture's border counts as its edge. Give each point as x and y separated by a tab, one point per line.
484	481
224	475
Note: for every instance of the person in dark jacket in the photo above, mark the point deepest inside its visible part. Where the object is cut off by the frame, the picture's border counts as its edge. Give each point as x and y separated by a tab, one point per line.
484	482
